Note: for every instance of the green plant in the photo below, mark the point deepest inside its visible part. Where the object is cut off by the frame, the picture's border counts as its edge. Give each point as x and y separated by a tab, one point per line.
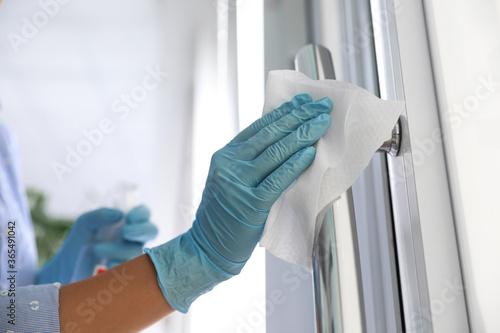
49	231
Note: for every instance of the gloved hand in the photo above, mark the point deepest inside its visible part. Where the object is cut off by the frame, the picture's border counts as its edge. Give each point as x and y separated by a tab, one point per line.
84	248
246	177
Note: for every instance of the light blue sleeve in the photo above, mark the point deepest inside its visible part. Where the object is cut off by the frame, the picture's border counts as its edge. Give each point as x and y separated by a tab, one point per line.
30	309
14	213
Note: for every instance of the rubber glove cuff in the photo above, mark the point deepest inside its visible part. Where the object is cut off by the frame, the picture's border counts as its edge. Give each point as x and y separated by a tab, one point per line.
188	268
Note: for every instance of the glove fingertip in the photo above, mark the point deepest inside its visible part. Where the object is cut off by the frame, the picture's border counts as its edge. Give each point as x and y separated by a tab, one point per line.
138	214
326	101
301	99
143	233
110	214
309	150
304	158
99	218
323	123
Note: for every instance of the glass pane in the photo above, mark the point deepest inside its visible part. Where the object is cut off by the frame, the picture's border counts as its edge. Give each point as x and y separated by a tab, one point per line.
465	44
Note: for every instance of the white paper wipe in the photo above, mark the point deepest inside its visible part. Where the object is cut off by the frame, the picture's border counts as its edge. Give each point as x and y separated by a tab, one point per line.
361	122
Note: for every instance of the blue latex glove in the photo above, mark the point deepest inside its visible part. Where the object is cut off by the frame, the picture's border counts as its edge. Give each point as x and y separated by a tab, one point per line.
82	249
246	177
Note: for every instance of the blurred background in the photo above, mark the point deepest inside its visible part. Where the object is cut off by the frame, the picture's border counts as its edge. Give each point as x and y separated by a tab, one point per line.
161	77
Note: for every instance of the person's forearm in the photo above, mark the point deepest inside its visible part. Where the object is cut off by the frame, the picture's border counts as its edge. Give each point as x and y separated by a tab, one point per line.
124	299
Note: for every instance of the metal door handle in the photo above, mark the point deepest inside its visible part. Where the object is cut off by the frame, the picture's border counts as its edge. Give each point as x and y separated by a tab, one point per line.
315	61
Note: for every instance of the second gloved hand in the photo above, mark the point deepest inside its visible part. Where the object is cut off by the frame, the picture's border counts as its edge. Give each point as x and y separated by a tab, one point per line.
246	177
82	249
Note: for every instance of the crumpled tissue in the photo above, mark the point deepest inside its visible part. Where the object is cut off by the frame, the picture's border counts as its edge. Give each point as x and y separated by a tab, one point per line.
361	122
